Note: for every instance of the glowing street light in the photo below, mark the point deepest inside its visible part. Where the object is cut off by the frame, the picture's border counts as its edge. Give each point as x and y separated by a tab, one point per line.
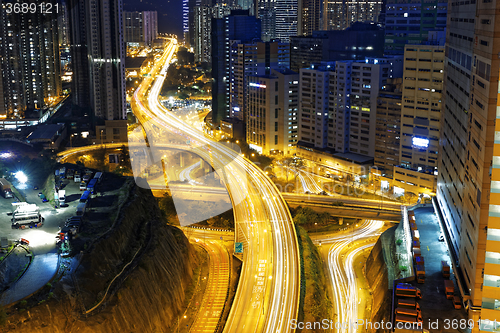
21	177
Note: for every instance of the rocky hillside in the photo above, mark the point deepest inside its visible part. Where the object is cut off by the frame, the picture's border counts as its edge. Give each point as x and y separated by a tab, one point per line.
147	297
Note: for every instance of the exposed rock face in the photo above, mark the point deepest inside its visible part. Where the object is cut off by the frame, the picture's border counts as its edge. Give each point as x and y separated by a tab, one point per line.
146	298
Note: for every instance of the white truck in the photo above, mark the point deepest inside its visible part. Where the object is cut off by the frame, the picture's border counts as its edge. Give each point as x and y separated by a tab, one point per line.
62	197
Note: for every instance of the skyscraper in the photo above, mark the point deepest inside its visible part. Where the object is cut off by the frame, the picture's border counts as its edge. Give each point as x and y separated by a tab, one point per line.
340	14
202	40
237	26
310	16
140	27
252	59
99	57
279	19
30	63
469	158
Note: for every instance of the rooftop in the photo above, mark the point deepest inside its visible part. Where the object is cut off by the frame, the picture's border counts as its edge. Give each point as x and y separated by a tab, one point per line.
45	132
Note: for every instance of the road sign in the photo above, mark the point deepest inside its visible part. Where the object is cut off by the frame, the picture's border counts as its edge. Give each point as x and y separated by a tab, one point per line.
238	247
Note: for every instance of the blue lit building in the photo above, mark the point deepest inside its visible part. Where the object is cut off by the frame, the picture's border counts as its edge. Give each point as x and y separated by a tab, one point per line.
237	26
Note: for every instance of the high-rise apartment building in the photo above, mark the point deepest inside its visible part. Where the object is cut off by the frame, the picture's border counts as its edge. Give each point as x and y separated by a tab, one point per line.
338	103
98	54
30	62
469	159
279	19
359	41
410	22
388	127
340	14
237	26
140	27
252	59
310	17
272	112
202	40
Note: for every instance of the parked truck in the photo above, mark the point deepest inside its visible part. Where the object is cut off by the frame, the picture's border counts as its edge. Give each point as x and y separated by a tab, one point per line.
91	185
420	273
408	303
449	289
410	312
407	290
415	244
81	208
457	302
62	197
419	260
445	269
407	319
5	188
415	235
416	252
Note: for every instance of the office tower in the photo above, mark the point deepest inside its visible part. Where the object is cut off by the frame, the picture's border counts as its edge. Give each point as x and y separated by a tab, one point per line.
272	112
202	41
310	17
409	22
80	83
106	58
340	14
421	113
359	41
252	59
468	179
279	19
338	103
99	58
314	97
388	127
30	64
140	27
185	20
237	26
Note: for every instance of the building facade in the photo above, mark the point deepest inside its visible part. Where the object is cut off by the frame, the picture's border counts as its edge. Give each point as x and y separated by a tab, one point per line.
140	27
338	103
410	22
310	17
357	42
279	19
30	63
421	109
272	112
469	177
340	14
388	127
237	26
252	59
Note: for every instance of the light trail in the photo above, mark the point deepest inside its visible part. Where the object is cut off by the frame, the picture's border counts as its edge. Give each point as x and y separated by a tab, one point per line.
341	271
267	296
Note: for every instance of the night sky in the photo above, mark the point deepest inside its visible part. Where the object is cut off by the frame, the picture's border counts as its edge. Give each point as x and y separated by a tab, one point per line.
169	13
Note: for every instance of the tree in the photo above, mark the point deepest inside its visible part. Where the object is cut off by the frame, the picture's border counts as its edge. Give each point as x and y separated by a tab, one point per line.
125	157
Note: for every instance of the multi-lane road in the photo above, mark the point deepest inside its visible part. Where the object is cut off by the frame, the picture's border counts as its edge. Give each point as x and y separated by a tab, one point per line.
342	249
267	296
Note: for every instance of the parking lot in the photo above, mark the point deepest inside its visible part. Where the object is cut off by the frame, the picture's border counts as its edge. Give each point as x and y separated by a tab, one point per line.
43	240
434	304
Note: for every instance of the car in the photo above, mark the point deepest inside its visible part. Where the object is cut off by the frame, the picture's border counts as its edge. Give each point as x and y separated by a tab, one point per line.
441	238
